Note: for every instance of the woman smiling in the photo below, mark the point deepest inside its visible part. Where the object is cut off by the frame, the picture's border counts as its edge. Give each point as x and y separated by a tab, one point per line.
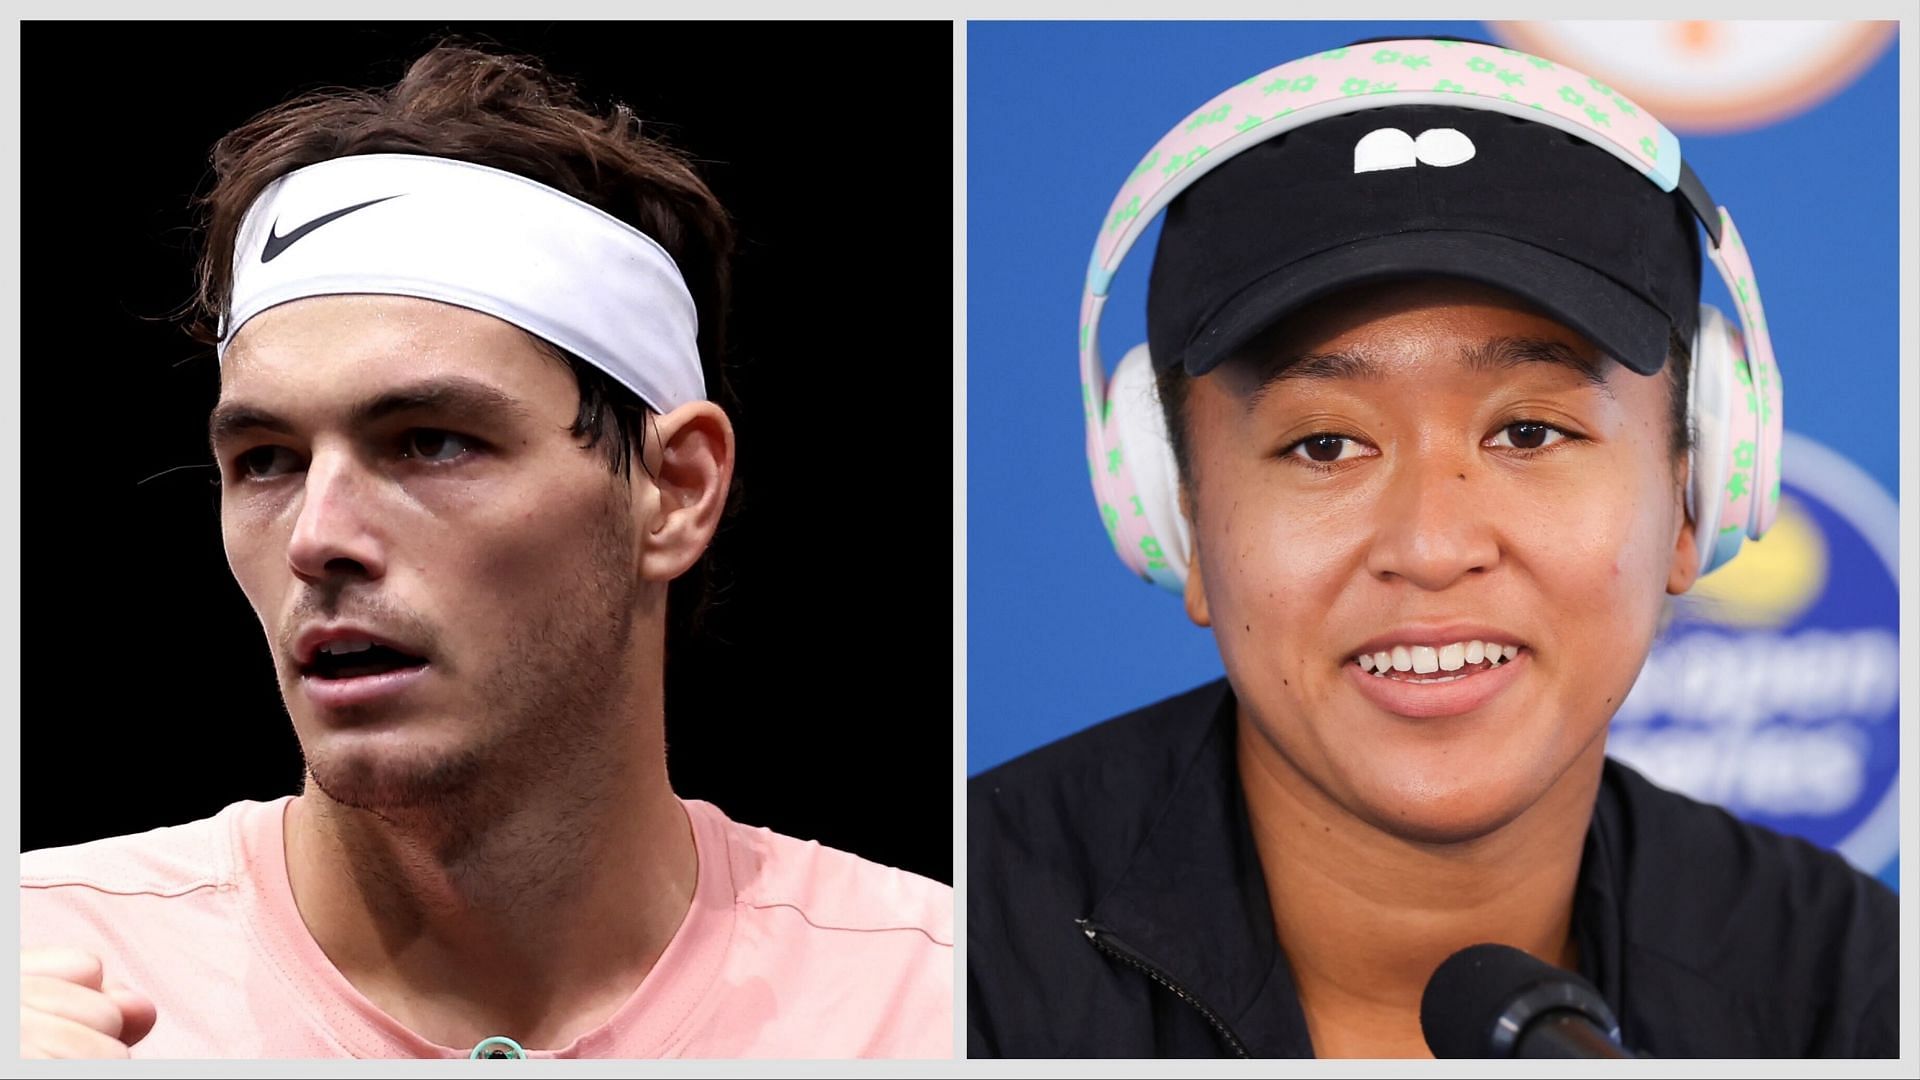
1429	426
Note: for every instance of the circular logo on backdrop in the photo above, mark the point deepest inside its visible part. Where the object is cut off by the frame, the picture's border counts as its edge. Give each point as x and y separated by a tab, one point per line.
1711	76
1776	691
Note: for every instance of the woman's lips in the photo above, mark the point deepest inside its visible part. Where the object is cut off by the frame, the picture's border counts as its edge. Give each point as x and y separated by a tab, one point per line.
1421	701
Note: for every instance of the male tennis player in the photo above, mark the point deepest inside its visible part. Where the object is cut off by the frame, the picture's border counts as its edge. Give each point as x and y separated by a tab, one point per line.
465	328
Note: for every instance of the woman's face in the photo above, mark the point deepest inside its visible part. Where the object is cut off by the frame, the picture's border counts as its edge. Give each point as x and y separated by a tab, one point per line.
1408	470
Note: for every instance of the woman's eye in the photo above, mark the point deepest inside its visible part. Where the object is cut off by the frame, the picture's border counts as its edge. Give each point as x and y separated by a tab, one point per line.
1527	435
1325	449
429	444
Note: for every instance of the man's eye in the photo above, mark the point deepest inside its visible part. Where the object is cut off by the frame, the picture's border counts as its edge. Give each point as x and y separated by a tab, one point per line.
433	445
429	445
1325	449
1527	435
260	461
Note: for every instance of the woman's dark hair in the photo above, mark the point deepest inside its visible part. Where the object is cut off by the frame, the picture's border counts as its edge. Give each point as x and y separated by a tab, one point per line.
462	101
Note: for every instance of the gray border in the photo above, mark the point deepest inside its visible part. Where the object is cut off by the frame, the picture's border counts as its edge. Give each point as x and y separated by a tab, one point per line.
10	562
959	494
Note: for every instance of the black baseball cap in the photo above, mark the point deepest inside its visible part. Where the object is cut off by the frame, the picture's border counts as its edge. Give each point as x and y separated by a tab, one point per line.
1508	202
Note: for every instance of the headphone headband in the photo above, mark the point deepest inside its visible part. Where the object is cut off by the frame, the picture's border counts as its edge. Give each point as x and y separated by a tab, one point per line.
1410	71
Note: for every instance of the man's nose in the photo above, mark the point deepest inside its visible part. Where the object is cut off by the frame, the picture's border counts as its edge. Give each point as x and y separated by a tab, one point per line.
333	530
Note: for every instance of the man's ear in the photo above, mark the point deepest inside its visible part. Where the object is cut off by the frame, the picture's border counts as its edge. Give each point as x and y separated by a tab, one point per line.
690	466
1684	570
1196	590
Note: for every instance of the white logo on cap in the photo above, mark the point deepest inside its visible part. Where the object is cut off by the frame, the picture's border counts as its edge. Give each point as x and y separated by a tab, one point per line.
1391	148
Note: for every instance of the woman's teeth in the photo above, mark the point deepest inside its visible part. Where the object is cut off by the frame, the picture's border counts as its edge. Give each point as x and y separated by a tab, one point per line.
1425	659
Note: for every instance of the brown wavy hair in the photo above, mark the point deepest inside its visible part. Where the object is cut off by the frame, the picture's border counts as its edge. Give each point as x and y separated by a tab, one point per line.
472	103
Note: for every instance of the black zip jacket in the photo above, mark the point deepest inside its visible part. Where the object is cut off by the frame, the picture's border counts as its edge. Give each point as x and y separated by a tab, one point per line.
1116	908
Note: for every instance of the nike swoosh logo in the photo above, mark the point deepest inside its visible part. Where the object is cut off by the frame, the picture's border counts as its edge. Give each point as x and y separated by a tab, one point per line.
277	244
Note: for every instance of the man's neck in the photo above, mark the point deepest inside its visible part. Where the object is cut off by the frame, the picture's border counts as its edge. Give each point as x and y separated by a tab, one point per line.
1365	916
530	917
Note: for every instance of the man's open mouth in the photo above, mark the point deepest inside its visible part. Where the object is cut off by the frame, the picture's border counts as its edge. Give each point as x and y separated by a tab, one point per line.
353	660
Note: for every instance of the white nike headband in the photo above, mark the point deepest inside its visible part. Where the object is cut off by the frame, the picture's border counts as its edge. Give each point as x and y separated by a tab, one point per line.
480	238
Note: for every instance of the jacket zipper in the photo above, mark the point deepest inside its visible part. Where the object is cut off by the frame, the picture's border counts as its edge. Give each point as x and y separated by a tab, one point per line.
1104	940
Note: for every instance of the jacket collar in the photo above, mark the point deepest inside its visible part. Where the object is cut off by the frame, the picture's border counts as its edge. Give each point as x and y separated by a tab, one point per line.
1192	899
1193	902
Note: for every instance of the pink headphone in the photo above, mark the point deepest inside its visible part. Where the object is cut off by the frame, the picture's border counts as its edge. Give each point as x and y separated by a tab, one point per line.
1735	400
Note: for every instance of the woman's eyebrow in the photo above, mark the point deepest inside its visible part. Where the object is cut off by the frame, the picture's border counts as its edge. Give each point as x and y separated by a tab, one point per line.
1506	353
1491	355
1351	364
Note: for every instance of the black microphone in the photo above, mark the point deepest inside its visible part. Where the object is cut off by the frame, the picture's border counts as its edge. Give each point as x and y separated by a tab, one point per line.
1494	1001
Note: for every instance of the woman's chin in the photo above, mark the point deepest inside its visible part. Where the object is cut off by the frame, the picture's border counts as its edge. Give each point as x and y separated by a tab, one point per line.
1429	805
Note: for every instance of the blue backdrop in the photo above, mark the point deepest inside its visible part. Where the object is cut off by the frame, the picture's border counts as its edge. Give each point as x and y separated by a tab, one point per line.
1061	636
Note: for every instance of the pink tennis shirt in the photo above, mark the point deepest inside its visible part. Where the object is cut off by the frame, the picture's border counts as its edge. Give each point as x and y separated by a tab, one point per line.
789	950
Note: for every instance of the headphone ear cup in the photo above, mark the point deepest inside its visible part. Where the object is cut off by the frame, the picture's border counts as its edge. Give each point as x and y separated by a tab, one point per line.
1726	441
1137	426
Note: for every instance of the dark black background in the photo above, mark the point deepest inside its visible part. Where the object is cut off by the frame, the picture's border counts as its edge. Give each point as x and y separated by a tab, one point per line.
818	705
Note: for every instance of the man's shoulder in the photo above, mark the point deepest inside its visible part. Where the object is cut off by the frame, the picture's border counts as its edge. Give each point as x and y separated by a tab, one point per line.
1096	788
1790	934
171	860
166	909
830	889
859	954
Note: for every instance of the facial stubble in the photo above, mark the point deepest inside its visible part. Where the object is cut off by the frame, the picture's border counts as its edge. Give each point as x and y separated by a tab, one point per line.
548	710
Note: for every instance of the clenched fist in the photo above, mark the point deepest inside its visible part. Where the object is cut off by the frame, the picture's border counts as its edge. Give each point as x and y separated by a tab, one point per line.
69	1009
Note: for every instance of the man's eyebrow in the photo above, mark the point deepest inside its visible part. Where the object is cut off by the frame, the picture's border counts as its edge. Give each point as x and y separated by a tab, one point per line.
454	396
1494	354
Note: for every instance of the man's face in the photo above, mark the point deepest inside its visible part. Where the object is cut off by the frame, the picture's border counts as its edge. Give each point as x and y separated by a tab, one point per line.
405	467
1430	476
